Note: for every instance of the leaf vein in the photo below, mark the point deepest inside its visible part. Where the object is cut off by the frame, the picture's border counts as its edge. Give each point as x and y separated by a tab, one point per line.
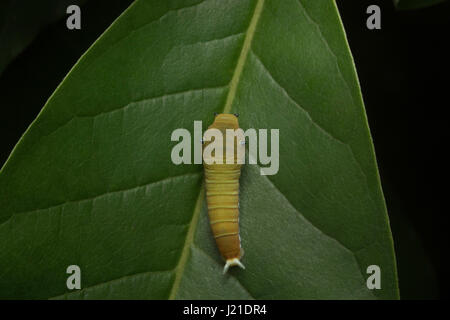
243	56
101	195
318	229
179	269
83	290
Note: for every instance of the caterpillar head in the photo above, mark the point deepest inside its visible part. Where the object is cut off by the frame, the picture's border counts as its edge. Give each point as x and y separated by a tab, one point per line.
224	121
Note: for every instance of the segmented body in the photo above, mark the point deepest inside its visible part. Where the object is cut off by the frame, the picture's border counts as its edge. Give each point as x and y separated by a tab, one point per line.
222	194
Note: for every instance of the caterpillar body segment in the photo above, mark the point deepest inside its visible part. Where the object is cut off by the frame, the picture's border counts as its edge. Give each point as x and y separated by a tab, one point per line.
222	193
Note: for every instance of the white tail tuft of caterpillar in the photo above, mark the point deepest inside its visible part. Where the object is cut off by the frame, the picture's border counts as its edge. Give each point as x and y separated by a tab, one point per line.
231	263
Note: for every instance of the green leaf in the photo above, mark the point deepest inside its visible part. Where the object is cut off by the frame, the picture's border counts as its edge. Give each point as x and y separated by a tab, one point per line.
91	182
21	21
415	4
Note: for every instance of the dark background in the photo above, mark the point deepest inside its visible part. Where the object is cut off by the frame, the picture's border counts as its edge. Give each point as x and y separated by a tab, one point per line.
403	70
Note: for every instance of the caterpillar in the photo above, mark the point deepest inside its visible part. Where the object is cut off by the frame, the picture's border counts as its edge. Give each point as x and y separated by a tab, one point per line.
222	194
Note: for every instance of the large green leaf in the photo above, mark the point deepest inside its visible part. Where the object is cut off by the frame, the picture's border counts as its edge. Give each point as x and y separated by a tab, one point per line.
91	182
415	4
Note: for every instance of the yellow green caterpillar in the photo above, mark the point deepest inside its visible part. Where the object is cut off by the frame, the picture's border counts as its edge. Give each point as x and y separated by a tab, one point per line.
222	194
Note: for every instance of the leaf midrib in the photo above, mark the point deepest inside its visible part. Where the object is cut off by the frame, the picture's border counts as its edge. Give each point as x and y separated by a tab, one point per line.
179	269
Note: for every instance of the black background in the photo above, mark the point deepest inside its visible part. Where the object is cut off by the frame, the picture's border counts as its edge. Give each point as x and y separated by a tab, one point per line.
403	70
